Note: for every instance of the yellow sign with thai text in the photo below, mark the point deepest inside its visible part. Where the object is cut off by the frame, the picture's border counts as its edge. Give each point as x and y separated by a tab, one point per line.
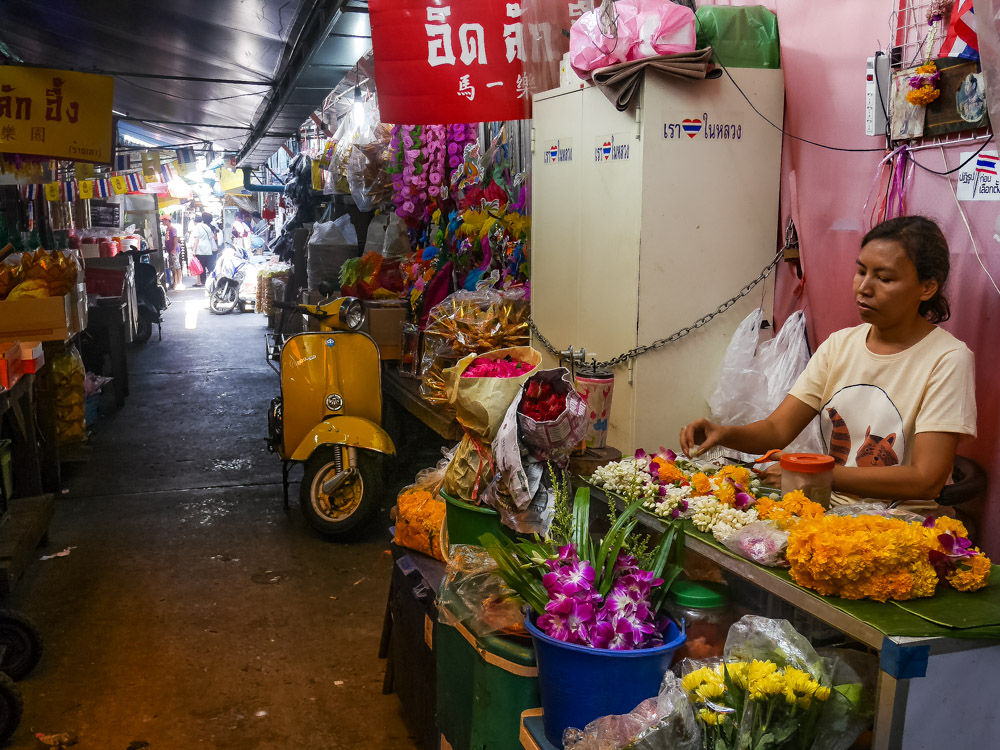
56	113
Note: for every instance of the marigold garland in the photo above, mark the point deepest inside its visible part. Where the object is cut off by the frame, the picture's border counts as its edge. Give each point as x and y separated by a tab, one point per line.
871	557
791	507
923	83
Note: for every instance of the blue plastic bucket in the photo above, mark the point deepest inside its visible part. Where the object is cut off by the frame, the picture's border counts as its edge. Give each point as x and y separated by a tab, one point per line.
578	684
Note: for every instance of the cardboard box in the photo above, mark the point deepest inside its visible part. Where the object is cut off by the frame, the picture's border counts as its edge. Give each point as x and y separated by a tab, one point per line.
33	356
11	364
384	323
46	319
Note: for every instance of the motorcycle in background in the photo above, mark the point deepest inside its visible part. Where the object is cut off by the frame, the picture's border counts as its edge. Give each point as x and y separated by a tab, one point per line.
232	283
150	296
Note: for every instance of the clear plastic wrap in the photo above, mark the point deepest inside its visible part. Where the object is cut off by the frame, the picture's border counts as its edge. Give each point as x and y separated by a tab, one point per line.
761	542
367	179
465	323
68	376
665	722
875	509
472	585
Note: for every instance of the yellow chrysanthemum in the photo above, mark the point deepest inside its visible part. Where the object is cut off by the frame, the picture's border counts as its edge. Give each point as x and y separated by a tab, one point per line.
711	717
694	680
800	687
724	492
822	693
738	674
766	687
710	691
923	96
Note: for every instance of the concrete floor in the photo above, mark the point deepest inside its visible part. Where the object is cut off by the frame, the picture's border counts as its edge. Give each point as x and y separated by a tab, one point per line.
193	611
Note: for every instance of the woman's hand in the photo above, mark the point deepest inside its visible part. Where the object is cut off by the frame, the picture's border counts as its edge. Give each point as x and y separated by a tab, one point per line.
701	433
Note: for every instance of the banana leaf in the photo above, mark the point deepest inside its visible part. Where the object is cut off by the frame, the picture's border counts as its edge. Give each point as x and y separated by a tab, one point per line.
960	609
581	524
528	587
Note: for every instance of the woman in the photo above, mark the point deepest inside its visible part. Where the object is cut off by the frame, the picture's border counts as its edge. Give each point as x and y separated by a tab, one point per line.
240	231
895	394
201	244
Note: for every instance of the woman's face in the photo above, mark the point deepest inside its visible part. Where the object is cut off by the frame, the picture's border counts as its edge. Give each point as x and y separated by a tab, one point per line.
886	288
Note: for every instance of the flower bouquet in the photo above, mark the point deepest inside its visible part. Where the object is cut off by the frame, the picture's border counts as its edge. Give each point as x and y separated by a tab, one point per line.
772	690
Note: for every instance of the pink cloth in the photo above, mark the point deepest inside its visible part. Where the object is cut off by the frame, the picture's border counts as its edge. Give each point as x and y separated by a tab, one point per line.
825	191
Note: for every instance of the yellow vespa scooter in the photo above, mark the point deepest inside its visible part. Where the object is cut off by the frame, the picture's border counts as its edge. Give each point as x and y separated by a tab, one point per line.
329	416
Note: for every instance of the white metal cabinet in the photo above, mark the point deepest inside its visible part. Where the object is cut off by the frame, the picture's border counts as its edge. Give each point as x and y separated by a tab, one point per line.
655	218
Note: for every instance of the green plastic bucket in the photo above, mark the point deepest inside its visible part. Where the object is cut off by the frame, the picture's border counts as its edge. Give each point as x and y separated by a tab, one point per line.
484	683
468	522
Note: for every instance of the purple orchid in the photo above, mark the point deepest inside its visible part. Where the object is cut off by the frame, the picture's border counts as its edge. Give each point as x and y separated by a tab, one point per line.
743	501
956	547
666	453
616	636
640	453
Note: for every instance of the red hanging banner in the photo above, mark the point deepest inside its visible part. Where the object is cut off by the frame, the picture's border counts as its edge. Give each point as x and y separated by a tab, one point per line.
449	61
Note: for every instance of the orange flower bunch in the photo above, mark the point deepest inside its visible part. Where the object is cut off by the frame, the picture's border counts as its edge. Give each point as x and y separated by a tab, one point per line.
741	475
792	507
871	557
669	473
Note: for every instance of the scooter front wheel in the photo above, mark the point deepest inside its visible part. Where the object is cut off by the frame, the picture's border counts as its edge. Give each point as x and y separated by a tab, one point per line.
224	298
350	506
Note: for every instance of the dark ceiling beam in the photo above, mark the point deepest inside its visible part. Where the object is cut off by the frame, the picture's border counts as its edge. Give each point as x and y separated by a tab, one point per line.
318	26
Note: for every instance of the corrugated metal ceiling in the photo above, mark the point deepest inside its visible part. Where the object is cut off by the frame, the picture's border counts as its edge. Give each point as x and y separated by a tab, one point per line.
240	74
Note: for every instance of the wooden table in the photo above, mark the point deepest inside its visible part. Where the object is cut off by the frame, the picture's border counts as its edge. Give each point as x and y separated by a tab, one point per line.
406	392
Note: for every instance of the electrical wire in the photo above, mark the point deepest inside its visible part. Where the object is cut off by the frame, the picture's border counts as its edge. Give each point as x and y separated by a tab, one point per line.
785	132
195	98
961	212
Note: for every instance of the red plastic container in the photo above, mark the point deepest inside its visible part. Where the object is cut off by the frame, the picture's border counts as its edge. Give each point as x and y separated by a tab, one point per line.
105	282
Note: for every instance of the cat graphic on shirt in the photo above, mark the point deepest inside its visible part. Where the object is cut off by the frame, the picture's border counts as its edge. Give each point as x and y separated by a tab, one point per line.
862	427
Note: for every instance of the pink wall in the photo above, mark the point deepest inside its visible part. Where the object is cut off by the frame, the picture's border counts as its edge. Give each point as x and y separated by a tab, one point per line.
823	47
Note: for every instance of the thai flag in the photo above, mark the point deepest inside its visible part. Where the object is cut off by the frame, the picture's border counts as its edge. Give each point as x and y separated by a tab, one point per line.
165	175
31	192
72	190
133	182
962	40
102	188
987	164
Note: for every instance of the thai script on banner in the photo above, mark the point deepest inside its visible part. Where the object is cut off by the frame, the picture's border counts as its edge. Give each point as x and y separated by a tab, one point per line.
56	113
448	61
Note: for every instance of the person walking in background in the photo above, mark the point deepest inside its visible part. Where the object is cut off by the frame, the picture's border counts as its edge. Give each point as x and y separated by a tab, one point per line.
173	253
260	232
202	245
240	231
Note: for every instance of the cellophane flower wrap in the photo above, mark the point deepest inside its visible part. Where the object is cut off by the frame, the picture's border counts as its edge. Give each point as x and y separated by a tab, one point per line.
480	404
552	416
772	691
469	323
605	594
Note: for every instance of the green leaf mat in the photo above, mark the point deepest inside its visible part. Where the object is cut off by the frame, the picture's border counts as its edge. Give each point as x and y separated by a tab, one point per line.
947	614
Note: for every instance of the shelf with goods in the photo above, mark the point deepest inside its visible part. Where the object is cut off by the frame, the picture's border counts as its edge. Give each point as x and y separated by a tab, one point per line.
916	656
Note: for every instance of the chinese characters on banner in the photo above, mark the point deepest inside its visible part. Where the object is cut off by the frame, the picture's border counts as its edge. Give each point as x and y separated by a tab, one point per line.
56	113
449	61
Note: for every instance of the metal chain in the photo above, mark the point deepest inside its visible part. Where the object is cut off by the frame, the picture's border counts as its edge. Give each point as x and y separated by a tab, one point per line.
659	343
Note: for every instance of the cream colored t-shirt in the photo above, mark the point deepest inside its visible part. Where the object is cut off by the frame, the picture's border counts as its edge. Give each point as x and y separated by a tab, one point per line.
872	405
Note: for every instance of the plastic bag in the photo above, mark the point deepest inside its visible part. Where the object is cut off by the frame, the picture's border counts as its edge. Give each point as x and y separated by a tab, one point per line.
875	509
761	542
665	722
420	522
68	377
603	36
369	181
663	28
475	597
741	37
755	377
331	243
629	30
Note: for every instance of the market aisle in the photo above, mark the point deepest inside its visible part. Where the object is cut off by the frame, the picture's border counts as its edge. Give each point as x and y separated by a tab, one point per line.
192	611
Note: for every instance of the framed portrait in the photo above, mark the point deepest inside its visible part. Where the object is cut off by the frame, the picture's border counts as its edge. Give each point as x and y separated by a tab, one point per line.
962	104
905	120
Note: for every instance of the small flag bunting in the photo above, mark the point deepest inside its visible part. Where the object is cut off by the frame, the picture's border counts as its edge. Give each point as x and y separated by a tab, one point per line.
102	188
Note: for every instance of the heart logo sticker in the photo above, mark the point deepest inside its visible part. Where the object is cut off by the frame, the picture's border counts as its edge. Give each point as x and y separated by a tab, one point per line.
607	150
691	127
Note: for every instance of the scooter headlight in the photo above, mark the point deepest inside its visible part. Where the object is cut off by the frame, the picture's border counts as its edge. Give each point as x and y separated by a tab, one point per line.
352	313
